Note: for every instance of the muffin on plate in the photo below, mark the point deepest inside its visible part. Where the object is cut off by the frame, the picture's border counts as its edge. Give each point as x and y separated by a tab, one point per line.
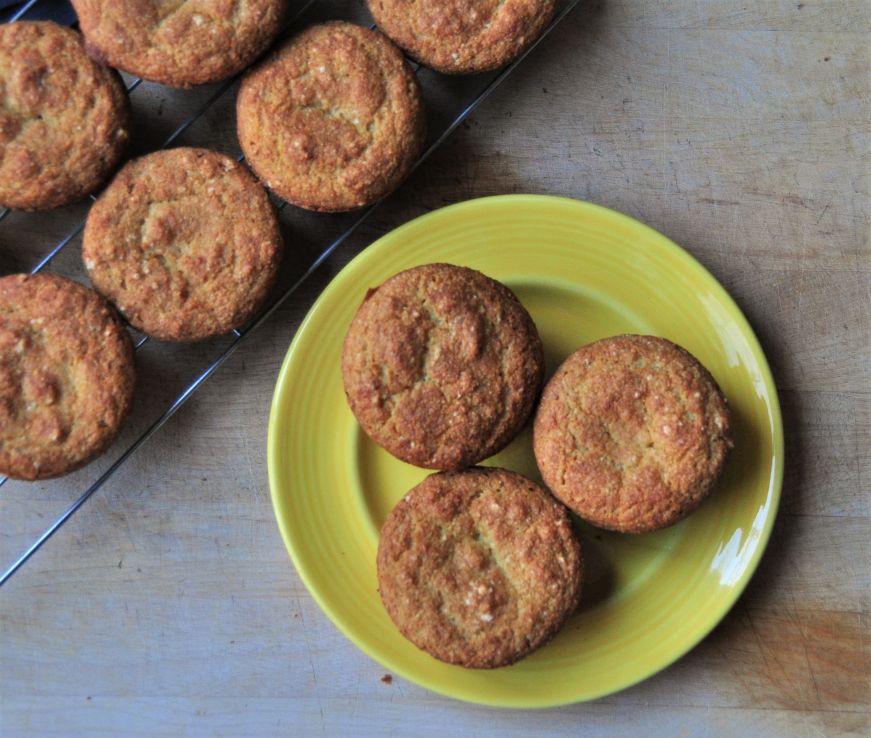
631	433
334	120
442	366
479	568
66	375
63	117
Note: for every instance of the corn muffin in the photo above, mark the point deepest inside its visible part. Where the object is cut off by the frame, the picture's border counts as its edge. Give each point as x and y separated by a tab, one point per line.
463	36
185	242
180	44
63	117
66	375
631	433
442	366
334	120
479	568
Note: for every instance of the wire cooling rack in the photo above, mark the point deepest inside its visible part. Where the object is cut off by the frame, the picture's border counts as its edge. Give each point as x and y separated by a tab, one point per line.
449	100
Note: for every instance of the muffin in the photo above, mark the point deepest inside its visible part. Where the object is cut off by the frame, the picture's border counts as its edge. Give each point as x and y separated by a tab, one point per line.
332	121
631	433
66	375
185	242
442	366
180	44
479	568
463	36
63	117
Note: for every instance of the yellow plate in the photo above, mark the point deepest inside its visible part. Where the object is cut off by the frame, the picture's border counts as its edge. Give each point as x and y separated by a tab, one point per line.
583	272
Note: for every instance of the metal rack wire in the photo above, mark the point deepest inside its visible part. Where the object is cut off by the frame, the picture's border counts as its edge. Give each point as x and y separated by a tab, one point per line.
460	112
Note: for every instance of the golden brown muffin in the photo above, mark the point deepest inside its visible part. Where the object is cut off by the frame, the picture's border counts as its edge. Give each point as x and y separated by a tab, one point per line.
442	366
332	121
63	118
66	375
463	36
479	568
185	242
179	43
631	433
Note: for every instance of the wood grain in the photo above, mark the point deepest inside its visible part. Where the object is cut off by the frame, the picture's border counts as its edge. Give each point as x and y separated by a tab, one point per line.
168	606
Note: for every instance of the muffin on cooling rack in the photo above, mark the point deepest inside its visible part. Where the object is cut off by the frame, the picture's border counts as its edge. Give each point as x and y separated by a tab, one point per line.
63	117
66	375
334	120
185	242
180	44
479	567
463	36
631	433
442	366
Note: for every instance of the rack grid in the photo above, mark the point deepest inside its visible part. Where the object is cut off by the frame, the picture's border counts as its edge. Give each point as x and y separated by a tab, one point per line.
462	100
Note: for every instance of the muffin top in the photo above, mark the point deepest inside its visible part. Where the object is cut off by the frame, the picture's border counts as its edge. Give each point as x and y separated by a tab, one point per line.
185	242
479	567
463	36
332	121
63	117
631	433
66	375
442	366
179	43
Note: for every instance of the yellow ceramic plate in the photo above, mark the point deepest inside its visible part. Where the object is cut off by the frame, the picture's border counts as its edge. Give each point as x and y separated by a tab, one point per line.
583	272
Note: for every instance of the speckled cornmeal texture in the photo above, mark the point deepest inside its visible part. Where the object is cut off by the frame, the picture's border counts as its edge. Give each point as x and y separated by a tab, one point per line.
63	118
479	567
179	42
463	36
631	433
334	120
442	366
185	242
66	375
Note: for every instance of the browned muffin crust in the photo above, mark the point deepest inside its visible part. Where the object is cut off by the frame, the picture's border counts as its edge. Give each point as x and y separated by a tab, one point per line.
631	433
332	121
442	366
179	42
66	375
63	117
479	567
463	36
185	242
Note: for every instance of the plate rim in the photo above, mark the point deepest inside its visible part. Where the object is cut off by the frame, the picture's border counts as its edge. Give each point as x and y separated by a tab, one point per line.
775	422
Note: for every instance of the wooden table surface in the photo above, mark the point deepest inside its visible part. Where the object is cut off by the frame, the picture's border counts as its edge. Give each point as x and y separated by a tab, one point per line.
168	605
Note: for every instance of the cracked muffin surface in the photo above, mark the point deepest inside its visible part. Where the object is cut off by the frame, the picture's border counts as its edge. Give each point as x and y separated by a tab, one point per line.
479	567
185	242
333	120
442	366
631	433
66	375
463	36
63	117
180	43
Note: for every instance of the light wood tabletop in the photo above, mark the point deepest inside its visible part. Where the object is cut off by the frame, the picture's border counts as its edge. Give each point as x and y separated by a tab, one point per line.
169	606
